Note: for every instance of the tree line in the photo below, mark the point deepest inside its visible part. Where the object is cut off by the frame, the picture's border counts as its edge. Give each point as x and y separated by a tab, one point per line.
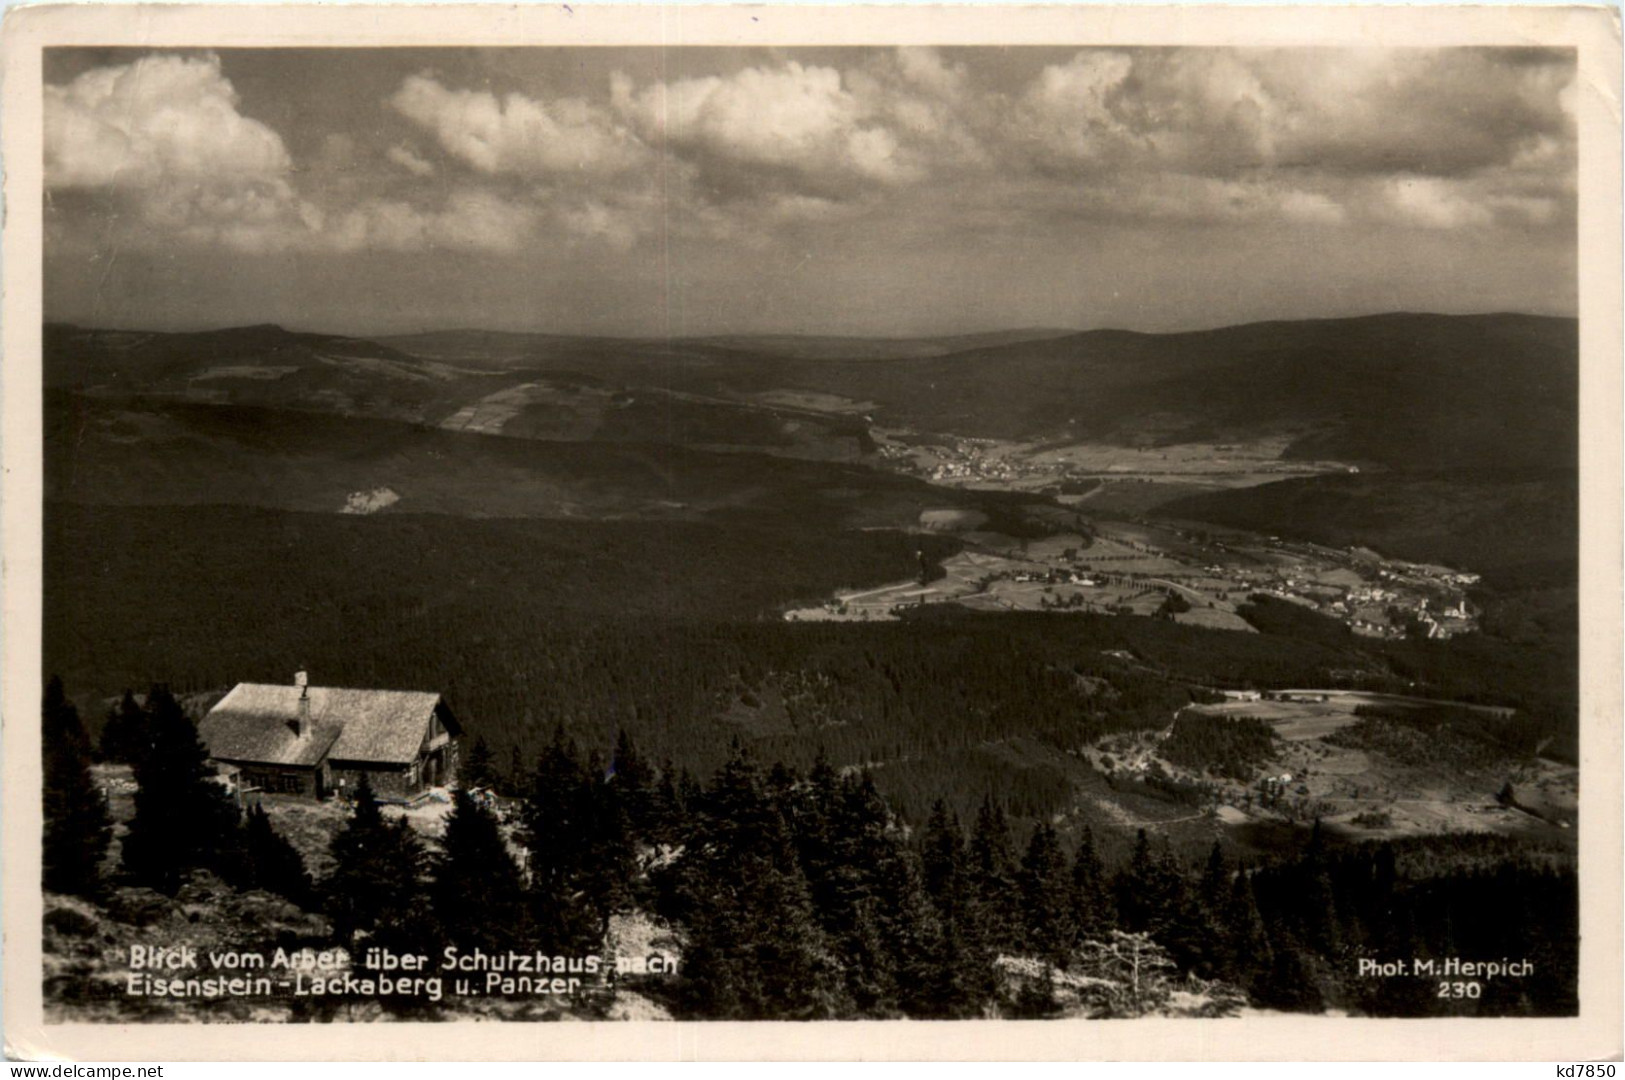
801	893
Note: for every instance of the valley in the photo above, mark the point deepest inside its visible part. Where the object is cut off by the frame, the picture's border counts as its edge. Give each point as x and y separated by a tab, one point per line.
851	488
1189	575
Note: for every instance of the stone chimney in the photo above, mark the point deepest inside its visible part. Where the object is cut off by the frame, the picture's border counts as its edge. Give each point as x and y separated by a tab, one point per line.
301	726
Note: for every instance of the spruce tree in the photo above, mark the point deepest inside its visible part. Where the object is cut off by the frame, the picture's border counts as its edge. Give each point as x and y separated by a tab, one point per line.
666	808
1215	881
609	862
406	920
355	891
377	883
959	978
634	784
812	811
910	928
1092	908
1046	897
756	950
478	895
990	879
1246	944
559	833
77	826
479	770
272	862
183	817
1317	903
124	736
942	856
1181	923
1291	984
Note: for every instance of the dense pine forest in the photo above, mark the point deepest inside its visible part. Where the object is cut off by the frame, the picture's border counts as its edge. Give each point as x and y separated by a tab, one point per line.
670	632
801	893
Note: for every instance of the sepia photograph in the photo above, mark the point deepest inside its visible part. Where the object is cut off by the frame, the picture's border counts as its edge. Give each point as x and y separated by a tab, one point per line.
836	528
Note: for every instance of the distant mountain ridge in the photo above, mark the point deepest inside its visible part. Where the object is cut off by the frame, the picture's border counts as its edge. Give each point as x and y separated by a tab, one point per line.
1399	391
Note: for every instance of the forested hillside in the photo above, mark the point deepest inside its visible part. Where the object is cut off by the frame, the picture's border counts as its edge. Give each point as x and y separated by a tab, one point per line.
671	631
795	894
1402	390
1515	527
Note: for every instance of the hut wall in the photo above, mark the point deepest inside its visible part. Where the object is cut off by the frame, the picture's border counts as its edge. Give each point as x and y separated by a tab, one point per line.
279	779
388	781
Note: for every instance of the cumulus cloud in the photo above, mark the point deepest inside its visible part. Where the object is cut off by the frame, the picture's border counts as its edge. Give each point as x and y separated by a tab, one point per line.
159	119
517	134
1219	111
1441	139
1445	139
408	159
1433	203
163	144
471	219
162	141
796	118
1068	111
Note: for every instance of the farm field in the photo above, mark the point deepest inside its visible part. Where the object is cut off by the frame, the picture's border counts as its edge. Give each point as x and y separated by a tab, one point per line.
1145	569
1362	792
1042	464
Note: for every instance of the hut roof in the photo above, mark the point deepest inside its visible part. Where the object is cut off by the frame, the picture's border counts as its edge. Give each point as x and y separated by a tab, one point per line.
257	722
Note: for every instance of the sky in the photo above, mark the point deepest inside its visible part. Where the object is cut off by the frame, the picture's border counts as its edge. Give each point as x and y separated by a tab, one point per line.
860	191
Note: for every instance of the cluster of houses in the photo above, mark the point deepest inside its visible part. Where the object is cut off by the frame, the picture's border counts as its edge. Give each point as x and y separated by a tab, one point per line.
1275	695
318	741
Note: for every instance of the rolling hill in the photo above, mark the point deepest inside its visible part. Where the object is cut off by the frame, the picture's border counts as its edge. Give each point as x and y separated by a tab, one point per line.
1398	391
1507	525
162	452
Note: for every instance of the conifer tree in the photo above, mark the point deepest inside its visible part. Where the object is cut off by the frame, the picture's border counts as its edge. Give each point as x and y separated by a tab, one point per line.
666	807
942	857
1317	903
1181	923
479	770
1291	983
477	893
959	978
183	818
1214	886
124	735
811	814
1208	916
559	833
634	784
406	921
910	928
272	863
1247	945
377	882
1092	909
1035	1000
1046	897
756	950
868	897
77	826
990	879
1133	885
609	862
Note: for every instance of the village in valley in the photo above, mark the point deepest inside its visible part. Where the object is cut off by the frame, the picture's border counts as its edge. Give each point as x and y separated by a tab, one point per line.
1192	575
1075	468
